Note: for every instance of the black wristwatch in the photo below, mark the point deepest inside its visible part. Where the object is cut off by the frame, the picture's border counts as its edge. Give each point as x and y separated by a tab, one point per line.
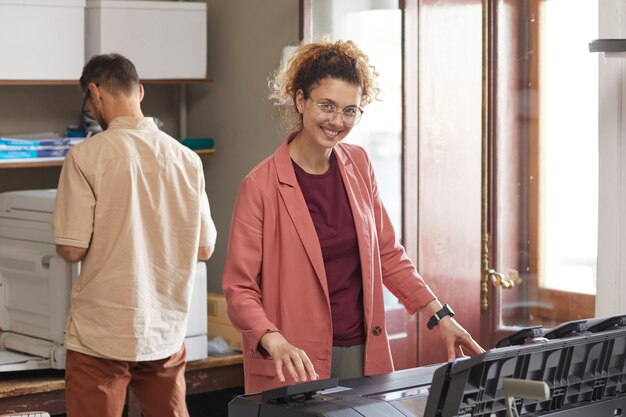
446	310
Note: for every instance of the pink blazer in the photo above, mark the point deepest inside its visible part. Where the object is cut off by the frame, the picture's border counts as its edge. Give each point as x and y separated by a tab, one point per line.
274	277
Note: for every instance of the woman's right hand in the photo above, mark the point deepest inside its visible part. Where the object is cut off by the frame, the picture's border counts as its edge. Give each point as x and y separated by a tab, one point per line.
285	354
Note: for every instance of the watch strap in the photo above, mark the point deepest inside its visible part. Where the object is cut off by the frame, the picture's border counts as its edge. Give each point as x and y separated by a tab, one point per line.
434	320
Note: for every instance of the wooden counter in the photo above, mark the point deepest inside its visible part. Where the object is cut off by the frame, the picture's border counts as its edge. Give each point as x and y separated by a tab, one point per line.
44	390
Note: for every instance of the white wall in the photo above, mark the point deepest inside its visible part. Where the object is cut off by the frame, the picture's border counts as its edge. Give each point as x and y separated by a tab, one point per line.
611	288
245	41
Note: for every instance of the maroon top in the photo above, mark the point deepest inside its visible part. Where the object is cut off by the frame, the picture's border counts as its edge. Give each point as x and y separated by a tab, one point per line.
330	210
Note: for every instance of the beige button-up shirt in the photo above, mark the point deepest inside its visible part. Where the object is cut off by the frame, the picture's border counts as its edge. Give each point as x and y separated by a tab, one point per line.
136	198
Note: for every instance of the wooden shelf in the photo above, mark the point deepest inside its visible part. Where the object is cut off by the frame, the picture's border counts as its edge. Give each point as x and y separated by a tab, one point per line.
21	83
75	82
608	45
180	81
57	162
32	163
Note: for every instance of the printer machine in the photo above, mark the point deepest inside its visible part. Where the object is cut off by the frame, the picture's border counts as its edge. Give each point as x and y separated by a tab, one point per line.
35	286
580	365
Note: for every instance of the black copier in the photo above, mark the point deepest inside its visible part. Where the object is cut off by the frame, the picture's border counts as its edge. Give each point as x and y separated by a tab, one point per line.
582	365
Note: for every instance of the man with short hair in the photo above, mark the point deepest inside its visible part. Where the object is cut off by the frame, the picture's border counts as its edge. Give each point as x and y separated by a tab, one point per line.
131	205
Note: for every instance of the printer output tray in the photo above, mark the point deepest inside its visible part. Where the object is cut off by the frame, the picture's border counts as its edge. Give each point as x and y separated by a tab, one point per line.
16	361
20	352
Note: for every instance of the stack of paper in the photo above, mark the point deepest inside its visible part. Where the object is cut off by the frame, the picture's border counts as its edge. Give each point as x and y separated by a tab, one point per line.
25	149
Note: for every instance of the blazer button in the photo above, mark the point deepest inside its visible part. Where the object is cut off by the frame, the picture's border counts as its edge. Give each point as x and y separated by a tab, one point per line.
377	331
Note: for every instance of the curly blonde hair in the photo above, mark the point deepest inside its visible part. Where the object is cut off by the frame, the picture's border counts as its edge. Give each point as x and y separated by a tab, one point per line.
315	61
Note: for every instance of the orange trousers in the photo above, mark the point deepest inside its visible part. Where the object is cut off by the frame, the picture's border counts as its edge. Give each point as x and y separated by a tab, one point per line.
96	387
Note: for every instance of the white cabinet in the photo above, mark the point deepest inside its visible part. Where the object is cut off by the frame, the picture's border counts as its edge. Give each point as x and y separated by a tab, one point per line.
52	39
164	39
42	39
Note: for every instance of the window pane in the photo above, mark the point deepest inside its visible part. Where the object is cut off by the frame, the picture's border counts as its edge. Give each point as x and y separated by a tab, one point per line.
569	109
375	26
547	160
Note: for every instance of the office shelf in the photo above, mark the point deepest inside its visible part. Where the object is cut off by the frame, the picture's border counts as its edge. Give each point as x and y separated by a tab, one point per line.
32	163
57	162
608	45
75	82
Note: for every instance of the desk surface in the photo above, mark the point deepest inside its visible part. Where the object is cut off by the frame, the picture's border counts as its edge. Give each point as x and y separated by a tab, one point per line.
30	389
14	384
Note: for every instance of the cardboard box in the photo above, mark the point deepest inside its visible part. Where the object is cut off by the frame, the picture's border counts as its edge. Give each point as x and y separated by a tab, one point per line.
228	332
216	309
42	39
164	39
218	323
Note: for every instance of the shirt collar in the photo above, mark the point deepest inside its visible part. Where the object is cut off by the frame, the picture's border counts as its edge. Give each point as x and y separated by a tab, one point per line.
130	122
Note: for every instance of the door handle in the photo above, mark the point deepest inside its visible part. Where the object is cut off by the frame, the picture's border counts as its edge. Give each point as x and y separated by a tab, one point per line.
498	279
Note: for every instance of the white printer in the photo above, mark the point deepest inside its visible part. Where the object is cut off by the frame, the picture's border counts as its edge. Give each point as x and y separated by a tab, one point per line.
35	288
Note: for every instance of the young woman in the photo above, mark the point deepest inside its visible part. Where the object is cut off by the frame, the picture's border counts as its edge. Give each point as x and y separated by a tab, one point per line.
311	245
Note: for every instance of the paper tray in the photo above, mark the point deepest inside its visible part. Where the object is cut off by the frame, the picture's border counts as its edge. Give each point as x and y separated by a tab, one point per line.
13	361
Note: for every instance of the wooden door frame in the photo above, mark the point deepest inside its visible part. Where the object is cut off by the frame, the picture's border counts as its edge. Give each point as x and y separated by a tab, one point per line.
306	20
410	143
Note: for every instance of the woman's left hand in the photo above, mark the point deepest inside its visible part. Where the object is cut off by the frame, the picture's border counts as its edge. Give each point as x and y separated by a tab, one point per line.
459	343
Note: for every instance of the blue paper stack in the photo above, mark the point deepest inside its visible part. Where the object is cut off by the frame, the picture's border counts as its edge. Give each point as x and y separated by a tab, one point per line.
27	149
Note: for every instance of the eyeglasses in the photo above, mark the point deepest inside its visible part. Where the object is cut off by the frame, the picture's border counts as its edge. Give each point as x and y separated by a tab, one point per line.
350	115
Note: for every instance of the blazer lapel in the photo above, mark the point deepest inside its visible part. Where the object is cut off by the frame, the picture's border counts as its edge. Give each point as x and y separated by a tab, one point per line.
299	212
